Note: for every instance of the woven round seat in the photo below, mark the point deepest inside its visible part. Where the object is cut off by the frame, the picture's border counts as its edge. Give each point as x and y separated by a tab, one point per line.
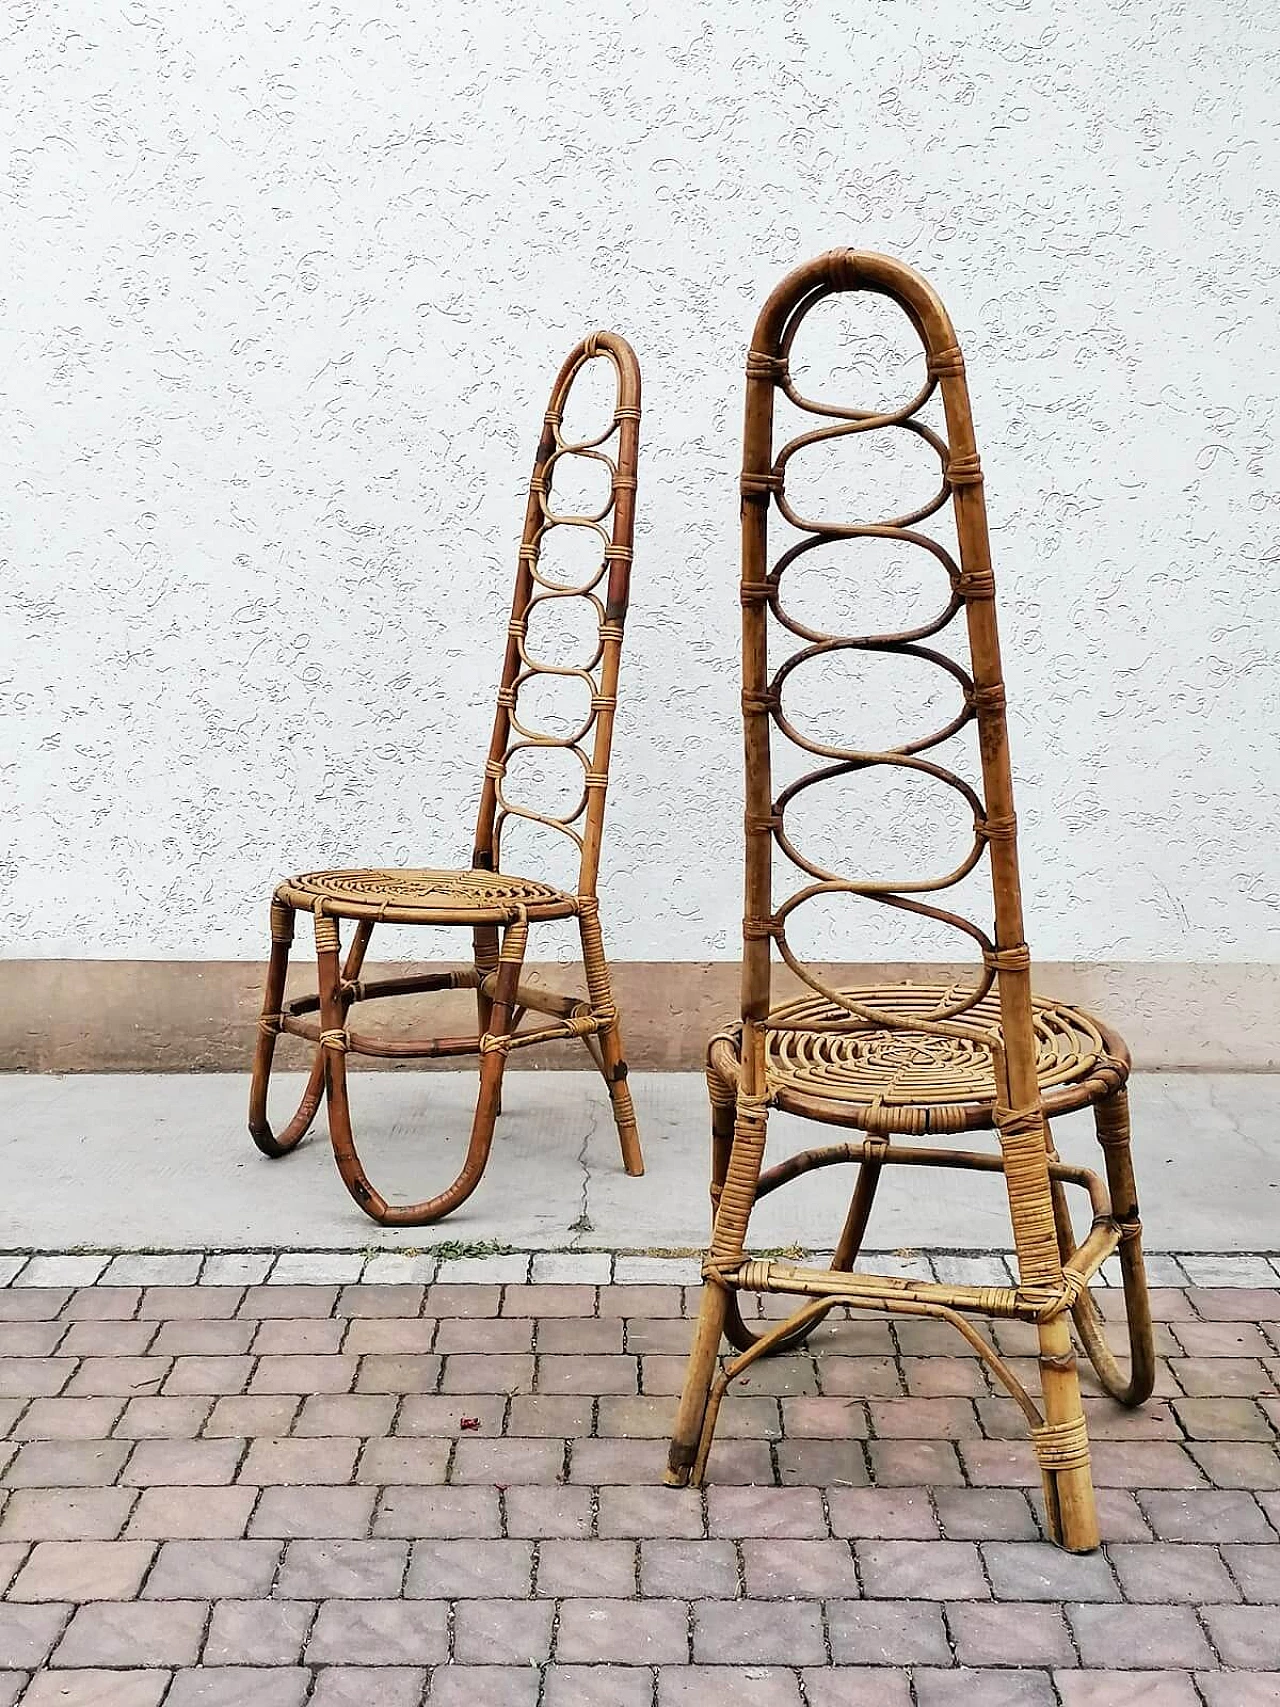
419	897
884	1079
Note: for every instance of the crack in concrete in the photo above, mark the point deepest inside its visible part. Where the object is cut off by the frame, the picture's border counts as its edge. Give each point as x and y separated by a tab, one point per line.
580	1228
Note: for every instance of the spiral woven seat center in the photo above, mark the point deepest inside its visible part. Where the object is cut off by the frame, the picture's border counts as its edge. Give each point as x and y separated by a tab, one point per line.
489	895
909	1081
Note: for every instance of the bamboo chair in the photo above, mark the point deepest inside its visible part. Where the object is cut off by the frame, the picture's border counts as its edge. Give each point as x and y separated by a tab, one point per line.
905	1062
488	899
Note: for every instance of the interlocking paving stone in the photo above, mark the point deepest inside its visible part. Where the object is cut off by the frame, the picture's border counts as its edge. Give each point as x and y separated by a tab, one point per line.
311	1513
37	1304
192	1514
245	1414
61	1271
369	1686
34	1377
442	1512
132	1633
587	1568
341	1570
921	1570
592	1686
766	1513
1130	1689
305	1336
68	1419
967	1688
12	1554
317	1268
83	1570
28	1633
738	1632
299	1463
184	1463
886	1514
335	1415
212	1570
622	1632
1239	1689
687	1569
92	1688
1167	1571
1003	1635
1141	1637
470	1570
1037	1570
1206	1516
237	1268
484	1686
1246	1636
257	1632
162	1418
66	1514
379	1632
502	1632
239	1686
1257	1570
796	1570
887	1632
66	1464
727	1686
372	1299
868	1686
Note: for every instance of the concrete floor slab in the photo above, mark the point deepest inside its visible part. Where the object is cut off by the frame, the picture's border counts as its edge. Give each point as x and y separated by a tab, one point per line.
163	1161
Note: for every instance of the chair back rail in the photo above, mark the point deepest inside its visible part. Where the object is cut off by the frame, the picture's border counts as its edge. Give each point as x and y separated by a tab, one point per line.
614	523
1005	957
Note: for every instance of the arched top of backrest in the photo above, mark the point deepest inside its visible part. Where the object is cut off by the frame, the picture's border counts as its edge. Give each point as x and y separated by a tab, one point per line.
967	565
605	588
853	269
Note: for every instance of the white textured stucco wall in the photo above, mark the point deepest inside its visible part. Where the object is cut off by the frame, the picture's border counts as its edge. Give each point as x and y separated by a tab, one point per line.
283	289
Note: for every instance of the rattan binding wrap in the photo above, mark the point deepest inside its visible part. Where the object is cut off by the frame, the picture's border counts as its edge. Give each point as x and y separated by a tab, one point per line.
496	905
906	1061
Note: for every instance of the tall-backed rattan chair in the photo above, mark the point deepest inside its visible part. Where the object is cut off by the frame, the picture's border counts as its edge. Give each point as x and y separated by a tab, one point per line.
902	1063
486	898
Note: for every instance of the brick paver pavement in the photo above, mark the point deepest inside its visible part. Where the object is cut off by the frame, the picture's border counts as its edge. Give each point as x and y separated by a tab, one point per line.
412	1496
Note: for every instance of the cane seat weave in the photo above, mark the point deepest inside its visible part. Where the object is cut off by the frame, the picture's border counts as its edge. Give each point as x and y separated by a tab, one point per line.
890	1080
416	897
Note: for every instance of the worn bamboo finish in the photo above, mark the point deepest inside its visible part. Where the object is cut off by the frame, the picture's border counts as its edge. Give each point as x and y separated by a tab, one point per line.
913	1061
497	906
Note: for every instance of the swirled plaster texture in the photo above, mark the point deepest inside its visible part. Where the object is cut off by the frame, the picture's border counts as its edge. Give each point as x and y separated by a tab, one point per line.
283	290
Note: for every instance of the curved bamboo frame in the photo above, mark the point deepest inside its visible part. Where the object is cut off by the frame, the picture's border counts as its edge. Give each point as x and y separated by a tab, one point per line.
905	1061
498	908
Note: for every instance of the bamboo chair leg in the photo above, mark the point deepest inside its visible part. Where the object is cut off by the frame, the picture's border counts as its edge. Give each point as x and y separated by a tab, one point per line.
703	1368
600	990
1112	1118
493	1051
485	954
740	1158
1062	1444
269	1029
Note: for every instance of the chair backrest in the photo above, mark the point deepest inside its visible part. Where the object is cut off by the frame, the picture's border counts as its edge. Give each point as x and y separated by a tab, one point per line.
969	588
614	524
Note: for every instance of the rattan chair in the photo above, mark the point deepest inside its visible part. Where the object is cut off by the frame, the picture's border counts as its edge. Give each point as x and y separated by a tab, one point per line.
901	1063
487	898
